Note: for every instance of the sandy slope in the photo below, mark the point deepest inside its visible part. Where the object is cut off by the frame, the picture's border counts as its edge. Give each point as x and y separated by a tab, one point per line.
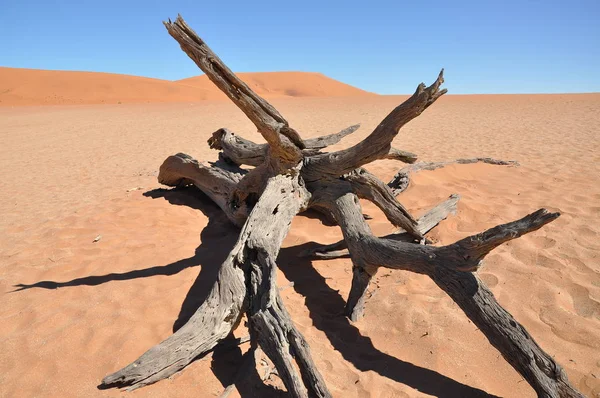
286	84
66	172
45	87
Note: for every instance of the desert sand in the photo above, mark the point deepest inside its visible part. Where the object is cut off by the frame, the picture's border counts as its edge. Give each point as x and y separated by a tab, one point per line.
19	87
74	310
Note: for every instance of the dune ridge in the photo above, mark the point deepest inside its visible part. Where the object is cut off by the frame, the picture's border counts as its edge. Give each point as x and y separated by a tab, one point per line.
22	87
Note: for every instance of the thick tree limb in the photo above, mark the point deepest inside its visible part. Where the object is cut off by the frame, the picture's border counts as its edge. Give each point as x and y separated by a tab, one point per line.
366	186
378	144
424	224
212	322
285	142
516	345
217	182
237	149
401	180
276	333
260	238
443	265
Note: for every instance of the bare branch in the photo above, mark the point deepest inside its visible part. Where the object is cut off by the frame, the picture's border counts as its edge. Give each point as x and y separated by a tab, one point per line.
263	232
239	150
377	145
367	186
403	156
328	140
475	248
424	224
401	180
284	140
216	182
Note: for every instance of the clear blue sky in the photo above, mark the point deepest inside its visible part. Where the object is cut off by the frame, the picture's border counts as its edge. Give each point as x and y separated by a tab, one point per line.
512	46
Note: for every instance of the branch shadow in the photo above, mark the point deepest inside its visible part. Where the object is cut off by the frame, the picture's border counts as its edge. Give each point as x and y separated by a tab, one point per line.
229	367
326	307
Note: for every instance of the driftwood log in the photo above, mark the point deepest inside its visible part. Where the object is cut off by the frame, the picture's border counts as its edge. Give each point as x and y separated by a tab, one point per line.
291	175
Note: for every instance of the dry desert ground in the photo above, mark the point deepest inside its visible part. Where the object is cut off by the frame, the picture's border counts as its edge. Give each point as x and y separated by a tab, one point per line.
74	310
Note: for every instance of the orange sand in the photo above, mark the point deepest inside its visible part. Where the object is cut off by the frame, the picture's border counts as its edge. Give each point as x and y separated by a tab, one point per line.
66	176
46	87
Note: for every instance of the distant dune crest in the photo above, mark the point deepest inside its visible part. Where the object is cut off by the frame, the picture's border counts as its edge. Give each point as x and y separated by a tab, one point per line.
47	87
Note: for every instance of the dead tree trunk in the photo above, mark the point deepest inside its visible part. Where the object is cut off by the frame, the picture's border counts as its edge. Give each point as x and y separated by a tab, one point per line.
291	175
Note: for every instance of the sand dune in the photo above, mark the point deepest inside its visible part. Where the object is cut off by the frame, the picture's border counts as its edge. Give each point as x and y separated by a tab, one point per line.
286	84
46	87
87	309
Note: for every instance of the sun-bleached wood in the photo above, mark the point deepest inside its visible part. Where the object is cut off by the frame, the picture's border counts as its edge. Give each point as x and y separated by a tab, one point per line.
291	175
424	224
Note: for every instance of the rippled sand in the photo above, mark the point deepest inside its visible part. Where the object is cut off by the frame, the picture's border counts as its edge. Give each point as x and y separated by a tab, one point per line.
70	174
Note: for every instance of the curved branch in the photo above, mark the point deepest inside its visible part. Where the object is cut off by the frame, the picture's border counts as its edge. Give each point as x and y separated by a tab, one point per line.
399	183
424	224
237	149
218	182
366	186
377	145
212	322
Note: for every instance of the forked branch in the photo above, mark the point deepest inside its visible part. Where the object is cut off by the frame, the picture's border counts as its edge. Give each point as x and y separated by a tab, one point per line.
378	144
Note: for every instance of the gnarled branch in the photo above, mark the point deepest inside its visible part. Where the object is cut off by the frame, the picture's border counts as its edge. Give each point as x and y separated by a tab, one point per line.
424	224
378	144
240	150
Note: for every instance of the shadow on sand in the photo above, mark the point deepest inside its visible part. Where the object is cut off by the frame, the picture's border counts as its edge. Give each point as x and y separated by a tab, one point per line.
325	306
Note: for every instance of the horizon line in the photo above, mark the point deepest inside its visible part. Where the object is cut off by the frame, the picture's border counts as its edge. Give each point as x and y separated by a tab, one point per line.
297	71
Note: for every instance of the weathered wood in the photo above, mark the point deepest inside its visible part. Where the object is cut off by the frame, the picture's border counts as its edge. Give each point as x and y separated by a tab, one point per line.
331	139
450	267
261	236
401	180
378	144
366	186
237	149
217	182
424	224
284	141
403	156
241	151
289	176
508	336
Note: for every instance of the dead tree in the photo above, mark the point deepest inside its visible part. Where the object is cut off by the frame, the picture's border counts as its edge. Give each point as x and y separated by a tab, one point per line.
291	175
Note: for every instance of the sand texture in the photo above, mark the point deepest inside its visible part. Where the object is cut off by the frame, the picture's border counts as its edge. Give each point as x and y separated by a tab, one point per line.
74	310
